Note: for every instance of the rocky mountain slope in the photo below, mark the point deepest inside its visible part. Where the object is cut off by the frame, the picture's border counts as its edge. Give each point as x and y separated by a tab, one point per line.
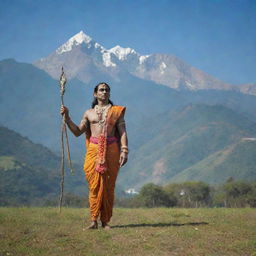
85	59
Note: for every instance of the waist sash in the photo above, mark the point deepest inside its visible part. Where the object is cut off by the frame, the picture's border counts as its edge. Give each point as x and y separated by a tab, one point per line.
110	140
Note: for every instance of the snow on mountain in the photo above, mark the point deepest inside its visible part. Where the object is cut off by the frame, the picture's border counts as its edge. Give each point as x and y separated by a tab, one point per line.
85	59
162	67
143	58
106	56
81	38
121	52
77	39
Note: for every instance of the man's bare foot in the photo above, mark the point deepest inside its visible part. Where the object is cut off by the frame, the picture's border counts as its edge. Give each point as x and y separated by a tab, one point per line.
94	225
105	225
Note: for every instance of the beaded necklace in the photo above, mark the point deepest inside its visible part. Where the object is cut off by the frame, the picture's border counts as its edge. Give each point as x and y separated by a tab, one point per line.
102	114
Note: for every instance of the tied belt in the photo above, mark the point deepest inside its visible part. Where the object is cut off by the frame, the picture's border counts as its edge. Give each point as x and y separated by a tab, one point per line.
110	140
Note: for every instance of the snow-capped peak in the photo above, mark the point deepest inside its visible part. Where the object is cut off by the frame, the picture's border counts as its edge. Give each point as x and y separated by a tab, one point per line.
121	52
81	37
107	55
77	39
143	58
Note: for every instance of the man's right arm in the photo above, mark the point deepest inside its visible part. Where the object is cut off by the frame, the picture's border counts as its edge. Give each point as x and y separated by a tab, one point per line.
76	130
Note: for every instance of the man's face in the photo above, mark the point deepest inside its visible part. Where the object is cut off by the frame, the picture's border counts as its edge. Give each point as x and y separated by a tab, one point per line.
103	92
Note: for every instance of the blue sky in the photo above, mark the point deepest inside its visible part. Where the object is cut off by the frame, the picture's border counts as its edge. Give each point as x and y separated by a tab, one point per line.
217	36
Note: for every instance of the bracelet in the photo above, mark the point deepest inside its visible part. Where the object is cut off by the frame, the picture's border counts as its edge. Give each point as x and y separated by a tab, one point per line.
125	149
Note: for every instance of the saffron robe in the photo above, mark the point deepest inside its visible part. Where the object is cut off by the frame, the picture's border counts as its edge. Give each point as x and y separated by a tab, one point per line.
102	186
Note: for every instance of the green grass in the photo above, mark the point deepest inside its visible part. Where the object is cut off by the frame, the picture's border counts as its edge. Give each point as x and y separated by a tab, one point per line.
158	231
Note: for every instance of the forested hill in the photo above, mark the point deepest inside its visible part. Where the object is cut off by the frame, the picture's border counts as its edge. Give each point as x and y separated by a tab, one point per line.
196	142
29	171
237	160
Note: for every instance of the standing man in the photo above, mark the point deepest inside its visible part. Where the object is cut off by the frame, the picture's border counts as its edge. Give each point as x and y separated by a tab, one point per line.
107	151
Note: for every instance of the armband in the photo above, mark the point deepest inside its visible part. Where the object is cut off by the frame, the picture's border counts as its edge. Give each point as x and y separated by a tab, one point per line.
120	123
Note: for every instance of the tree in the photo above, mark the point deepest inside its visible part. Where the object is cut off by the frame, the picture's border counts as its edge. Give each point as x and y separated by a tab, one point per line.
190	194
237	193
154	196
251	198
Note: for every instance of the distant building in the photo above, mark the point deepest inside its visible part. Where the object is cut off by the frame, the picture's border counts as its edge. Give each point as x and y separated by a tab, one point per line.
182	192
131	191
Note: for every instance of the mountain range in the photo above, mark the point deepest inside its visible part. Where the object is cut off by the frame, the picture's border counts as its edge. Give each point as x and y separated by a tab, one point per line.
85	59
182	123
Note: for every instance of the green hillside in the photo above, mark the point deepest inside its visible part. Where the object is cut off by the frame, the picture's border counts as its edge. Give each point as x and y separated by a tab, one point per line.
21	184
237	160
30	171
181	139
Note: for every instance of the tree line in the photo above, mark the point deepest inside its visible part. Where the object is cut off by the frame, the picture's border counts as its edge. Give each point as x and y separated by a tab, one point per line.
191	194
194	194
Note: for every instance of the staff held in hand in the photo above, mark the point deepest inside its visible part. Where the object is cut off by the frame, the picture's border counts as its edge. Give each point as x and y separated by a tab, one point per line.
63	81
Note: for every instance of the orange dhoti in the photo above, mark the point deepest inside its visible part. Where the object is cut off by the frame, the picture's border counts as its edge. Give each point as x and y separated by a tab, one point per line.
102	185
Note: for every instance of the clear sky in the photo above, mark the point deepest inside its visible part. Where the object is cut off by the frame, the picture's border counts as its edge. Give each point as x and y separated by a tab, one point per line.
217	36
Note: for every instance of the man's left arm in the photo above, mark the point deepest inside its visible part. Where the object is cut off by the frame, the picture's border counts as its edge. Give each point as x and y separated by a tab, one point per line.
123	140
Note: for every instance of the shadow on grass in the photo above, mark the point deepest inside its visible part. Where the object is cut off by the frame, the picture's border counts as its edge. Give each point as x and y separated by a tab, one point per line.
160	225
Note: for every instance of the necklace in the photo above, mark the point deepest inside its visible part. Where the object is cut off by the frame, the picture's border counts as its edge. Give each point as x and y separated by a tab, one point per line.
102	113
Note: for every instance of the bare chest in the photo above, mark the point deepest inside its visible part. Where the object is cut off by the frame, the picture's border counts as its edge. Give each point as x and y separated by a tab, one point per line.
97	123
94	118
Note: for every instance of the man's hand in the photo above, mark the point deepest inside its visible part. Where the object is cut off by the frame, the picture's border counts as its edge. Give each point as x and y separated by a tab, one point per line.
123	158
64	111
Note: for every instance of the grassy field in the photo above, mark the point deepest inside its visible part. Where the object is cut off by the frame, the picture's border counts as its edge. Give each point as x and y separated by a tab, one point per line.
158	231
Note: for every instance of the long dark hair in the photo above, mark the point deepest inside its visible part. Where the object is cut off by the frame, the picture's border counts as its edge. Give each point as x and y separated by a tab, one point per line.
95	101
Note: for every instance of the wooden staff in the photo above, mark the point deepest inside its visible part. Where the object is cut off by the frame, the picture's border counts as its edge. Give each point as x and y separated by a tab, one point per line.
63	81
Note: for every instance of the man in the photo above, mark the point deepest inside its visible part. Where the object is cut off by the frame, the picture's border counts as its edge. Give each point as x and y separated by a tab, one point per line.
107	151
